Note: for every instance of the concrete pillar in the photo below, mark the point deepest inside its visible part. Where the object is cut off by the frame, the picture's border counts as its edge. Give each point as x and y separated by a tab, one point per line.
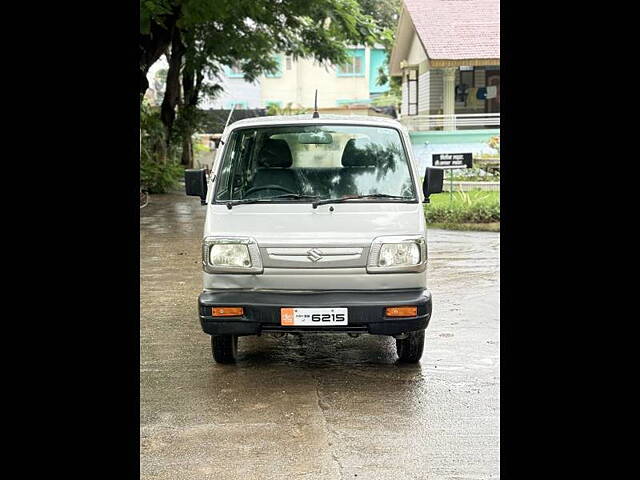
449	94
297	65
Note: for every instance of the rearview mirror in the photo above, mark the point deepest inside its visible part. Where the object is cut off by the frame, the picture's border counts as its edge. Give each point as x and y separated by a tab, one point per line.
195	183
315	138
432	183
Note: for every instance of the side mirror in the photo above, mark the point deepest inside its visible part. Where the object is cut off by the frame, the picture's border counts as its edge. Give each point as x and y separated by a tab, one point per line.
195	183
432	183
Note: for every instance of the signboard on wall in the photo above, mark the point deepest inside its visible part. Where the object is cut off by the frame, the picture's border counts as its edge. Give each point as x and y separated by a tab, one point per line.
452	160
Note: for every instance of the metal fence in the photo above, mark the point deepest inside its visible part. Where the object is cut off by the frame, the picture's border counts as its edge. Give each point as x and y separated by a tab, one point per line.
451	122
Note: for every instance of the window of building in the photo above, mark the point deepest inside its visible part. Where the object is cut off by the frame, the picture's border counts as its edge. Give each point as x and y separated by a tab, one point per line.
355	66
467	76
289	63
411	79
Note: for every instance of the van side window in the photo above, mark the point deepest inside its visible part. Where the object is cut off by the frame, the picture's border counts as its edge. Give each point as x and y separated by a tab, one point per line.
236	164
227	165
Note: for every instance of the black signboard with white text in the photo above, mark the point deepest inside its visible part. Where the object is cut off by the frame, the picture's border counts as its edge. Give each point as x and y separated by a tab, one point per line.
453	160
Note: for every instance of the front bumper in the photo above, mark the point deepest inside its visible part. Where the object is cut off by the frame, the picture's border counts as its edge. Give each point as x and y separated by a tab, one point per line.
262	311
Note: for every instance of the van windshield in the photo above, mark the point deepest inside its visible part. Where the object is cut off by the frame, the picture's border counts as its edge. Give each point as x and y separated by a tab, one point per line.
307	162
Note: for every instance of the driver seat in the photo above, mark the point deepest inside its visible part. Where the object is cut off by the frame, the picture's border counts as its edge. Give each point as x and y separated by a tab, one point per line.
274	162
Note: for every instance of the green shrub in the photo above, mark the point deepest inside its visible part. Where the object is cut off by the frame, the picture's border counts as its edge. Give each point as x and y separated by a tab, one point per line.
466	207
158	177
274	109
471	175
160	167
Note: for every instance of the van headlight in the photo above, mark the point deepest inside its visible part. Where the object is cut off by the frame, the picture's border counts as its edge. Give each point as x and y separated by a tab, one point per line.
397	253
231	255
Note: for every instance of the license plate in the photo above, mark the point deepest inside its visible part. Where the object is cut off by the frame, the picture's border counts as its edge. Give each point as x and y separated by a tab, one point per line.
326	317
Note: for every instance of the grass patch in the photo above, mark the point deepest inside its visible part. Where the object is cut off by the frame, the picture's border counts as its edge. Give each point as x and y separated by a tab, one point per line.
474	207
477	227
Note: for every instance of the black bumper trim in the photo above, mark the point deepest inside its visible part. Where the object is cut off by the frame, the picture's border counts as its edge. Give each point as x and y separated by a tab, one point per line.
262	311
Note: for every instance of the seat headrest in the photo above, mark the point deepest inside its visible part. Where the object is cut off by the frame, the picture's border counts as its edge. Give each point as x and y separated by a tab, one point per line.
356	154
275	153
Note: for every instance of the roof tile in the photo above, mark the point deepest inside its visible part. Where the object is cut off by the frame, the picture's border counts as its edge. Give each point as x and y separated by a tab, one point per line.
457	29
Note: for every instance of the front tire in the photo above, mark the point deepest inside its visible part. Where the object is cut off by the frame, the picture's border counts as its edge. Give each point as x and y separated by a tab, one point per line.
224	348
410	349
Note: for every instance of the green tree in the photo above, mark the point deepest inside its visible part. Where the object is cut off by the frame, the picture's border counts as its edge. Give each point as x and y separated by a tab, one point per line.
199	36
386	15
159	169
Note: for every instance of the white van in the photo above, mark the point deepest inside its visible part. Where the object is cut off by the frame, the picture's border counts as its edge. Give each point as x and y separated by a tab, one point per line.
314	225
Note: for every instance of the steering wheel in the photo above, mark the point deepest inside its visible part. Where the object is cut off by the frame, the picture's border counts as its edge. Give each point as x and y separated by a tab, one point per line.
268	187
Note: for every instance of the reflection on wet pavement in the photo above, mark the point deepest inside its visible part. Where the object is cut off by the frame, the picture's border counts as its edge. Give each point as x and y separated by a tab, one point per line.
317	407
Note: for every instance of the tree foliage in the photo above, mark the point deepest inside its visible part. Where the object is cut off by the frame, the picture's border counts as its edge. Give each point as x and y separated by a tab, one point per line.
248	32
199	37
159	167
385	14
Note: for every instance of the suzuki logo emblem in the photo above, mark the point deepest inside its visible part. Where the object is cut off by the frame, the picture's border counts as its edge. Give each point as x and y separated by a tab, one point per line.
314	254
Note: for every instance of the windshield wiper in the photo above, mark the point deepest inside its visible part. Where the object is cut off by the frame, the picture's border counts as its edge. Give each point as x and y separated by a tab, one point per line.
232	203
358	197
292	195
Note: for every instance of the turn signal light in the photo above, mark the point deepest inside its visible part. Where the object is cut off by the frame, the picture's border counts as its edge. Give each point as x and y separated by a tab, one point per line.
401	311
227	311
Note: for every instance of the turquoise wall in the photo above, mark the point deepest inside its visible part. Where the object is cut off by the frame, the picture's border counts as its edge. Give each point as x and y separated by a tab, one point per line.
425	144
457	136
377	59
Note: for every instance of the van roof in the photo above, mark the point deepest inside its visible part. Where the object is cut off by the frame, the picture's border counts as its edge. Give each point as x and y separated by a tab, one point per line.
324	118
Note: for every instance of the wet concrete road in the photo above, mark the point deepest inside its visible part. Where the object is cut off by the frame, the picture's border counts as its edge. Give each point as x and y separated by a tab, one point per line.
317	407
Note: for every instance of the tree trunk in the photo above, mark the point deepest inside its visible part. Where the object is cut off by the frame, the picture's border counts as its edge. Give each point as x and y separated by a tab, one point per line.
187	148
172	92
191	85
186	113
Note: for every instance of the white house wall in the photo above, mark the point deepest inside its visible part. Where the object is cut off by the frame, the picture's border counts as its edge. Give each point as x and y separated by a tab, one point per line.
417	54
298	85
235	89
295	85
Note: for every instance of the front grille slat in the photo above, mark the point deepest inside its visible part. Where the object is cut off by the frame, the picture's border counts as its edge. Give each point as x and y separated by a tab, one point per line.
314	257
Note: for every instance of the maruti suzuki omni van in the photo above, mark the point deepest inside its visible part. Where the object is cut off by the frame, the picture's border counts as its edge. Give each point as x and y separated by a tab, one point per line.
314	225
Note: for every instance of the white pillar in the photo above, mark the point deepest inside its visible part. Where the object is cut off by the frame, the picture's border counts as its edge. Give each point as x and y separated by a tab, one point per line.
449	99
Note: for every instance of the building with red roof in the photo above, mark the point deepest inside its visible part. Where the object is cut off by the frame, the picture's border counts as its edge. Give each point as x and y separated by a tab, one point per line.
448	55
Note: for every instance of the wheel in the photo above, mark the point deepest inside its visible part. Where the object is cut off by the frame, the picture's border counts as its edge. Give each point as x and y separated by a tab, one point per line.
410	349
224	348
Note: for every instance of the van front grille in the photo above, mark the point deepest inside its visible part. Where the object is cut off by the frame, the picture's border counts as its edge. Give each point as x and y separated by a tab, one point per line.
314	257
